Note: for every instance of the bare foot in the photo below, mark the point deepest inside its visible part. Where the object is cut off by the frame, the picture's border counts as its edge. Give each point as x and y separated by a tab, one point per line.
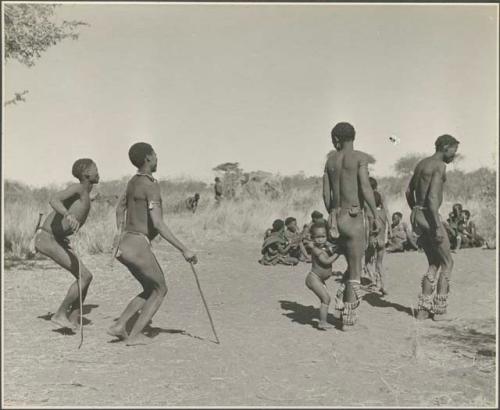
422	315
383	292
324	326
63	322
138	340
118	331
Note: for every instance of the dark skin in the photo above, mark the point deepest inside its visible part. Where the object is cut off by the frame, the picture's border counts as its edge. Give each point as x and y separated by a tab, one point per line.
136	214
292	227
71	208
426	190
346	183
322	261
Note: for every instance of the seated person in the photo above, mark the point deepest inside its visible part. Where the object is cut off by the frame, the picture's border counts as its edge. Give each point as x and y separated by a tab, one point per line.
192	202
467	230
275	247
451	226
401	237
294	238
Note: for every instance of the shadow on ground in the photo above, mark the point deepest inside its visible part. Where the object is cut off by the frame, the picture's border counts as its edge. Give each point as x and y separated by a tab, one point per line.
466	336
305	315
376	300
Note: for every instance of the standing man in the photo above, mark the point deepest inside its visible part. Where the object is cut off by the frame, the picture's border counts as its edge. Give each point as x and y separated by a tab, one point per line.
218	190
140	208
346	188
424	196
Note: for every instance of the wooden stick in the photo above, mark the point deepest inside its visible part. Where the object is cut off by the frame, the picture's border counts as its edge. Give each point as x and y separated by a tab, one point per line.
81	302
204	302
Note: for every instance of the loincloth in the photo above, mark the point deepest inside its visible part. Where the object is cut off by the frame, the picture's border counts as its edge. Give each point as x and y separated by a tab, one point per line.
61	240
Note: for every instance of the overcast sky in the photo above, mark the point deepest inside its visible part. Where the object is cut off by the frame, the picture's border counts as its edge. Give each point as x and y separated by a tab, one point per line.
259	84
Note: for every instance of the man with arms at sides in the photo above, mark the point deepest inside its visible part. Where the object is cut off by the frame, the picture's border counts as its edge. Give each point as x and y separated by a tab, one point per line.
425	196
346	188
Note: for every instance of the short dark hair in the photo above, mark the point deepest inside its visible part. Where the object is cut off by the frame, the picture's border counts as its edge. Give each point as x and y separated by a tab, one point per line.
217	178
278	224
289	220
373	183
316	215
197	195
398	214
457	205
317	226
138	152
80	166
343	131
444	140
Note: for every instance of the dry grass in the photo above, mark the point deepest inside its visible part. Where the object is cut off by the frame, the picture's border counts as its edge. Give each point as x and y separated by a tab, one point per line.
246	217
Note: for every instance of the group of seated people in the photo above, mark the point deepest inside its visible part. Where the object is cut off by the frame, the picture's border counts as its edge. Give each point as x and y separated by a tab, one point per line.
401	238
461	229
285	244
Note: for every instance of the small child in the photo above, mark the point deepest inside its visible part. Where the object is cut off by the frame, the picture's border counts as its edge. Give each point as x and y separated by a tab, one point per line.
322	260
71	208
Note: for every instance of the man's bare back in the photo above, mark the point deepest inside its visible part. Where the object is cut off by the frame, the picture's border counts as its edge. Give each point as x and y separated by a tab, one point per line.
342	170
346	187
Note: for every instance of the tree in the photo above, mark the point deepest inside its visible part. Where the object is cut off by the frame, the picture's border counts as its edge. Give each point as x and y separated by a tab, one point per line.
29	30
405	166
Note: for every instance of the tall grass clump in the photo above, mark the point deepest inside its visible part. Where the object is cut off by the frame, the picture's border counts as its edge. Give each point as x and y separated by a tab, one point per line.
245	217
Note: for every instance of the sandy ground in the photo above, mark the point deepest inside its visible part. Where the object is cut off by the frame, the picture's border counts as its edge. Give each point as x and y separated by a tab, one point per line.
271	353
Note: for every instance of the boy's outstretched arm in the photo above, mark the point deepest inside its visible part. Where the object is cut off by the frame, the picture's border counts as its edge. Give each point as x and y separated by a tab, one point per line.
56	202
154	205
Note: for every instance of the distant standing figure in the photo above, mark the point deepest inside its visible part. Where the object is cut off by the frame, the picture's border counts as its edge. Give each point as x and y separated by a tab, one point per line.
192	202
425	196
346	188
71	208
218	190
375	251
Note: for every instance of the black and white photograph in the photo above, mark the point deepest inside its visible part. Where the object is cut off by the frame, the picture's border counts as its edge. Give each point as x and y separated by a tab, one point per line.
249	204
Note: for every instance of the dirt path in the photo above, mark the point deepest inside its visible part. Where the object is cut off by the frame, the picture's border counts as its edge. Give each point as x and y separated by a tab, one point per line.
271	354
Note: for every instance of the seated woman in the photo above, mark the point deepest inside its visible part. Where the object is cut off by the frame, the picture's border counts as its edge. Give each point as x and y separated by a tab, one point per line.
275	247
401	237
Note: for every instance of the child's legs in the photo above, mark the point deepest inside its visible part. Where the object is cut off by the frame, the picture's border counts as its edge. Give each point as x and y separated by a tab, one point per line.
314	283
